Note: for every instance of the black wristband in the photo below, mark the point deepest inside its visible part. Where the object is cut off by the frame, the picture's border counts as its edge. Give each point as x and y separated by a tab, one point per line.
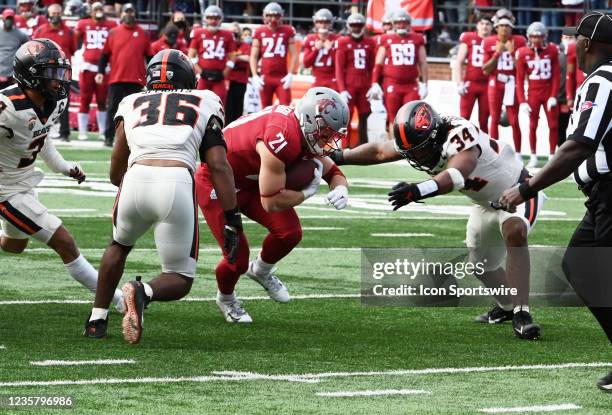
526	191
337	157
233	218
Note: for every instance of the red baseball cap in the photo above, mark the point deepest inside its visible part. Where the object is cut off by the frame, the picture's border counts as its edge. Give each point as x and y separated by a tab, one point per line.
8	13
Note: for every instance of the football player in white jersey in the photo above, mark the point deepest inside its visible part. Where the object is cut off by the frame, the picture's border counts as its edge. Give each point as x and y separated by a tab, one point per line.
460	157
160	133
27	112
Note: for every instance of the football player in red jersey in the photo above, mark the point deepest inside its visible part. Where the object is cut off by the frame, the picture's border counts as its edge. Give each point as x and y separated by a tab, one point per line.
407	60
354	62
270	44
539	63
472	83
92	34
499	50
574	76
260	147
210	48
320	50
28	19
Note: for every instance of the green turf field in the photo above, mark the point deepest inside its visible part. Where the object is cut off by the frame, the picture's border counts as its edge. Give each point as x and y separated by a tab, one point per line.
295	356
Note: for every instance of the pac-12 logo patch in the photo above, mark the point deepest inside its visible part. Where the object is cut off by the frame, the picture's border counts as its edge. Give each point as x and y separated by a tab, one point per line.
587	105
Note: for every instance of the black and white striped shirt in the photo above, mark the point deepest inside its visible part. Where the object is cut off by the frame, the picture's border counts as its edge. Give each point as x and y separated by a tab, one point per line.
590	123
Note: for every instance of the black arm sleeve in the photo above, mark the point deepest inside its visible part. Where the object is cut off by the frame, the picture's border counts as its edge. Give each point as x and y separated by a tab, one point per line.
213	136
102	63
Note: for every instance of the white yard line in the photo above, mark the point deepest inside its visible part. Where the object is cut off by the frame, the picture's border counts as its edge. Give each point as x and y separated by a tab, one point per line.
321	228
447	370
383	392
535	408
83	362
400	235
2	347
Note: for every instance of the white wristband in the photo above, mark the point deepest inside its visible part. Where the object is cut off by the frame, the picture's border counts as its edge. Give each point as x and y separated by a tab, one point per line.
457	178
427	187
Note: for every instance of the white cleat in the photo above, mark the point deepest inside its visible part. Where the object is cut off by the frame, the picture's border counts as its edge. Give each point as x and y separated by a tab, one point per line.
270	282
233	312
82	137
533	161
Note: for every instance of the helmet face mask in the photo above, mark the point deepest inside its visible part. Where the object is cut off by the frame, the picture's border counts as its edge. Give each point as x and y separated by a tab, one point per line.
537	34
401	27
213	16
322	27
273	14
356	25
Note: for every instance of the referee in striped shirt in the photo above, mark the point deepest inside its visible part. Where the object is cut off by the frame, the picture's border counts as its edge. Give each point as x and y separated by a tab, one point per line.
587	154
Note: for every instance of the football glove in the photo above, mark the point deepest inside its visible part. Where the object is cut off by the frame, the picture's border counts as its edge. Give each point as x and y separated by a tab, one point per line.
338	197
375	92
316	181
552	102
257	82
423	90
286	81
462	88
231	234
404	193
525	108
77	173
346	96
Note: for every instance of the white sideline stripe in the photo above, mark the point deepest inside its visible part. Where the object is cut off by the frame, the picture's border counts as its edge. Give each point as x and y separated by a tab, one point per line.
207	249
447	370
182	379
383	392
189	299
73	210
399	235
536	408
82	362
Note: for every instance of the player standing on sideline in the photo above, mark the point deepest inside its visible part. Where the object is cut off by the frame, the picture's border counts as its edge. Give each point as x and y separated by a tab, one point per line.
238	77
472	84
27	112
354	63
574	76
320	50
168	40
400	59
92	33
460	157
57	31
160	133
127	48
539	63
260	147
28	19
499	50
586	154
270	44
210	49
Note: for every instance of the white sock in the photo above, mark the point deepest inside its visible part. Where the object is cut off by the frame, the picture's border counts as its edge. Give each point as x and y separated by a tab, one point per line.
148	290
83	119
98	314
521	308
260	267
101	120
226	298
82	271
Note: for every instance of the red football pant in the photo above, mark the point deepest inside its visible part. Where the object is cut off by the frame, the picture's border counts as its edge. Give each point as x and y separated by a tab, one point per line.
88	88
285	231
273	85
218	87
496	97
396	95
552	117
476	91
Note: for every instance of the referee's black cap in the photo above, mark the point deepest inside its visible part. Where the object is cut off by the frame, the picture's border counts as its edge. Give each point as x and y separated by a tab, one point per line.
596	26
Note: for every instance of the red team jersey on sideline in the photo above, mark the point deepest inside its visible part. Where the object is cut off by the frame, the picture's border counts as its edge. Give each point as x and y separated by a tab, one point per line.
126	46
94	35
62	36
161	44
322	61
475	57
273	49
29	26
541	69
354	62
213	47
505	63
402	55
277	126
575	79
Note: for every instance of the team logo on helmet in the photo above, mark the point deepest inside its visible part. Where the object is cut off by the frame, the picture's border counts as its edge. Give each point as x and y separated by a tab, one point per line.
422	118
322	108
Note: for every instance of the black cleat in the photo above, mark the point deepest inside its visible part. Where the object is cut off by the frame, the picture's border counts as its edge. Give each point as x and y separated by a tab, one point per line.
495	316
95	329
524	327
605	383
108	143
135	301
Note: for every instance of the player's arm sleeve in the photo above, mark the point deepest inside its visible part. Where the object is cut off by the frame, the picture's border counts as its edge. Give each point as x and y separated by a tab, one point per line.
310	54
556	75
54	159
340	66
595	113
213	136
122	111
520	76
